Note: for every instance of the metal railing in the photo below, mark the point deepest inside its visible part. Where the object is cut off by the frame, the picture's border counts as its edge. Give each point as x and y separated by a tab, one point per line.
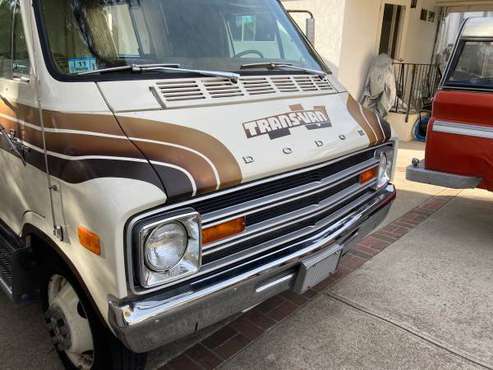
416	86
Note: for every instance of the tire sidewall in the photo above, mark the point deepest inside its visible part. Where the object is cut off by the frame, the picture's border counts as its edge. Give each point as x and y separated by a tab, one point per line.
102	337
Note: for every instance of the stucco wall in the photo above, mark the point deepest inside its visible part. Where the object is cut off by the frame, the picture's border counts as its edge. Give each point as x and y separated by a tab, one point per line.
361	34
420	35
348	34
329	17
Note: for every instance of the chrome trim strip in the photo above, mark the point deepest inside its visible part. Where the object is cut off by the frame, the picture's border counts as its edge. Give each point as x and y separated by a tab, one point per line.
456	128
136	317
286	196
315	231
5	287
272	284
278	222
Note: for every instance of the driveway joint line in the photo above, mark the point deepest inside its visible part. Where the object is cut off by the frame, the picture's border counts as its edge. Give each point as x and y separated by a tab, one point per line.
409	329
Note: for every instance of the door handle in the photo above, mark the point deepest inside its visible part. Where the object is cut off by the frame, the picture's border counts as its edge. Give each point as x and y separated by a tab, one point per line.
21	78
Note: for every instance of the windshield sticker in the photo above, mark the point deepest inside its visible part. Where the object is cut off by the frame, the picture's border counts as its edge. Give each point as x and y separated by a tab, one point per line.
282	124
83	64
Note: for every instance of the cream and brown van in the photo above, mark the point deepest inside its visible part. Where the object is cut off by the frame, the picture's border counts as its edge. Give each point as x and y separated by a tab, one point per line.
167	164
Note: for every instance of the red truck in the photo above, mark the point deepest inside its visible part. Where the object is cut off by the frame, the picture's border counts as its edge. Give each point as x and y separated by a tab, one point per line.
459	147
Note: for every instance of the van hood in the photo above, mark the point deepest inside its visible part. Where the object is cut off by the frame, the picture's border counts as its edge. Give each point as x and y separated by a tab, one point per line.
201	149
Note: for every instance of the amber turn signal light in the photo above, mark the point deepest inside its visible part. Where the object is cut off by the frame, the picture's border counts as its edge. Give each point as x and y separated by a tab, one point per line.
368	175
224	230
89	240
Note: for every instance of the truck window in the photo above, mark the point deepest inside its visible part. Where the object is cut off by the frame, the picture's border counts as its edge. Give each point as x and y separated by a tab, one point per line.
6	7
474	65
84	35
254	32
20	63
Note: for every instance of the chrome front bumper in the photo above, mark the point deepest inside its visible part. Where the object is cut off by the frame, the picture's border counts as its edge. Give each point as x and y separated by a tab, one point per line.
148	323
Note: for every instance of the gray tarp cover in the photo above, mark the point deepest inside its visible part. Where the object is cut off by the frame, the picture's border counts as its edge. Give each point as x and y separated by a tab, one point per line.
380	88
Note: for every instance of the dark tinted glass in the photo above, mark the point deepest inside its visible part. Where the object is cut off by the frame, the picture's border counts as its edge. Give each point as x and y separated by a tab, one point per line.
6	7
474	67
222	35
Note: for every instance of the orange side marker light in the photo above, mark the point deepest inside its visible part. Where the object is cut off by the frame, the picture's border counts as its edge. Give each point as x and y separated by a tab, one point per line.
89	240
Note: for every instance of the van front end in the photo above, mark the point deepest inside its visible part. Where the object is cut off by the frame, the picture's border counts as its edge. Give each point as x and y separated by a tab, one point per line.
174	163
297	227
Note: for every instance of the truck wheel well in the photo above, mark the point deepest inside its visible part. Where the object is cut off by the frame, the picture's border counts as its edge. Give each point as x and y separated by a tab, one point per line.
45	253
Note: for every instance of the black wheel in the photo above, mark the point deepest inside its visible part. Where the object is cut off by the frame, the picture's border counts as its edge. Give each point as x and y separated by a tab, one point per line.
80	338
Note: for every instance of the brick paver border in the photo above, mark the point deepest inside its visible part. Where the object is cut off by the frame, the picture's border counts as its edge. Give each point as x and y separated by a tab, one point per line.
232	338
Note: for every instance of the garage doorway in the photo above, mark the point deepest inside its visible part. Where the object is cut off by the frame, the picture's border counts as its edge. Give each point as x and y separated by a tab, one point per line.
392	29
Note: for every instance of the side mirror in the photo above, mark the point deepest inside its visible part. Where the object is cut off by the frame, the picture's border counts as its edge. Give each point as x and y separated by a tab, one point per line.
310	30
310	24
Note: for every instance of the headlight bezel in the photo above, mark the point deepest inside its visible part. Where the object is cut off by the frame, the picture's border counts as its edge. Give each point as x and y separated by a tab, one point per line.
190	262
385	177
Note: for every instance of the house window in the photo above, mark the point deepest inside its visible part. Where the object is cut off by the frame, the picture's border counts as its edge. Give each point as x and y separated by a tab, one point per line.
20	56
5	37
14	58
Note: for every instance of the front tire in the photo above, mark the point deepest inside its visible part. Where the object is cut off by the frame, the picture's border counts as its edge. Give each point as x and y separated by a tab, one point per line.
81	340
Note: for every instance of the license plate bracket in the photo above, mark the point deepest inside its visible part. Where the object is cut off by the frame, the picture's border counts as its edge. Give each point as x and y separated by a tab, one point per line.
317	268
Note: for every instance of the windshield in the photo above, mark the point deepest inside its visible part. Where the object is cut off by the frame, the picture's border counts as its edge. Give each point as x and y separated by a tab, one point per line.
220	35
474	66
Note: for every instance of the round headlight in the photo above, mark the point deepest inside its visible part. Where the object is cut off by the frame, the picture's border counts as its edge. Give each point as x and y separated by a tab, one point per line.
166	246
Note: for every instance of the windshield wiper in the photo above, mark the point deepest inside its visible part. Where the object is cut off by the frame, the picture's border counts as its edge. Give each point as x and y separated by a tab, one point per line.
280	66
137	68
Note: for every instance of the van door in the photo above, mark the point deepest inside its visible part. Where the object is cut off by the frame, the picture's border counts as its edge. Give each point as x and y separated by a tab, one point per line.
23	184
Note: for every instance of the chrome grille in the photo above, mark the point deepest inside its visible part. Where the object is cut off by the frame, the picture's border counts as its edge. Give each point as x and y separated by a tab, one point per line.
280	213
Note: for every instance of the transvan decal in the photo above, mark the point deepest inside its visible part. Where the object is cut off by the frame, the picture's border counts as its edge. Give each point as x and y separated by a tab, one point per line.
282	124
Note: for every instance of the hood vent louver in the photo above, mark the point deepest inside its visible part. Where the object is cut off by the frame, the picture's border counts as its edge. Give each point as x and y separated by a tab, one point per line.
194	92
180	90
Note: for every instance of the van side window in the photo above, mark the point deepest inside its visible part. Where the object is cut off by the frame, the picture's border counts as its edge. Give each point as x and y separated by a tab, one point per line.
20	63
6	7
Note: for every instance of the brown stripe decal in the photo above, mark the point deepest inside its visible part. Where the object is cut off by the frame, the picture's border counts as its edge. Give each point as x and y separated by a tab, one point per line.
99	123
227	167
355	109
185	159
373	121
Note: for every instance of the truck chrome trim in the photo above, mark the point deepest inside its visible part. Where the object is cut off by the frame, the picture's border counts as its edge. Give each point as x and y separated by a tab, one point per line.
292	217
270	224
247	208
484	132
319	229
273	283
147	323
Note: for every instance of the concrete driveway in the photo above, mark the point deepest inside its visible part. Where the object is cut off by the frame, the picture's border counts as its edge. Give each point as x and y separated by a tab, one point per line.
423	302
